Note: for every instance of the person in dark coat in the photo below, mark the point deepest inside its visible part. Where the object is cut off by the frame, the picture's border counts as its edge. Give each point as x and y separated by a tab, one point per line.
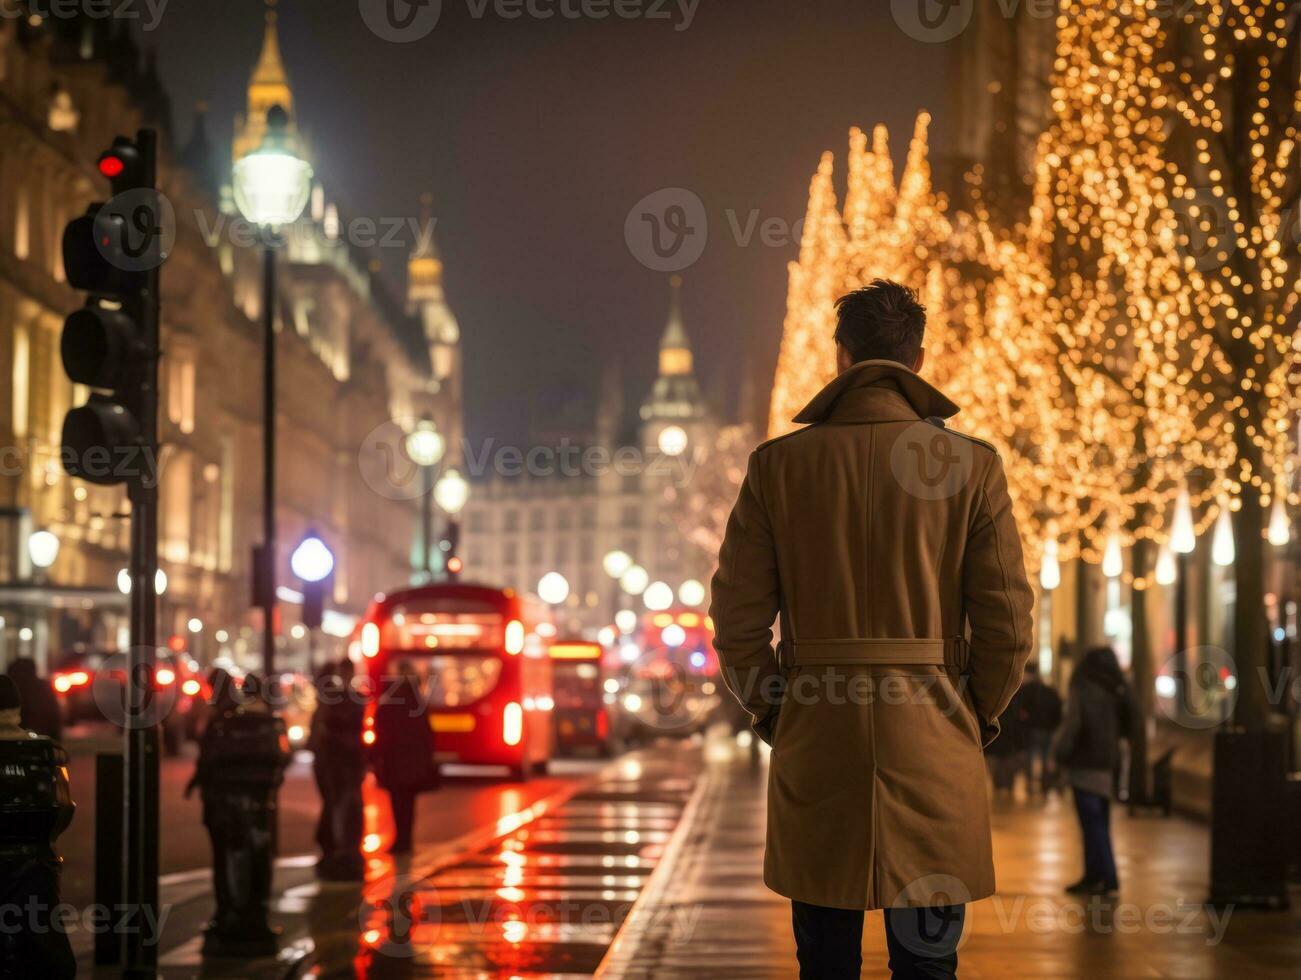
404	750
339	765
1043	714
1006	754
1098	715
41	712
32	943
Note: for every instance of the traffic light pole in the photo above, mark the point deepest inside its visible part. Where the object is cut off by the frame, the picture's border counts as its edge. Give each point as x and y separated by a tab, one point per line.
140	844
268	556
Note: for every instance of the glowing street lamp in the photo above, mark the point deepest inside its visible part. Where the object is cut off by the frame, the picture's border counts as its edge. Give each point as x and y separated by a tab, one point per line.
271	187
553	588
691	593
43	548
634	580
451	492
658	596
272	184
312	560
616	563
425	445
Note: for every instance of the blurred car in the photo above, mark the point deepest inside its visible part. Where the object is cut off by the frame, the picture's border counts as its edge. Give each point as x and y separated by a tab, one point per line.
90	686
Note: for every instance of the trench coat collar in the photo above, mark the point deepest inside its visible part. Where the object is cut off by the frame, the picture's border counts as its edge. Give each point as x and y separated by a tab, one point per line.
877	391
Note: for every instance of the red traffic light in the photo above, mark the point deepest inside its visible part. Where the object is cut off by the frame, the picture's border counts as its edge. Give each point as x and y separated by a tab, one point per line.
111	165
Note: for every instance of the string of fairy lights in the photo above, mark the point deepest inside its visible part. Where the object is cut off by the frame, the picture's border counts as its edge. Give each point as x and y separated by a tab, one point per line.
1132	343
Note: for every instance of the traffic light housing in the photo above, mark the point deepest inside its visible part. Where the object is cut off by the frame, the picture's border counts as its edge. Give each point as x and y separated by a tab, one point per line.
112	253
450	546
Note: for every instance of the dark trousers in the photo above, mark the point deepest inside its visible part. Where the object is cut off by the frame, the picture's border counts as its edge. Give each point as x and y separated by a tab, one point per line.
403	801
922	943
339	829
1038	748
1094	812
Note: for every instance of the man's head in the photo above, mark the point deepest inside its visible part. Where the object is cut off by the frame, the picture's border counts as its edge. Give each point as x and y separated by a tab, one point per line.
883	321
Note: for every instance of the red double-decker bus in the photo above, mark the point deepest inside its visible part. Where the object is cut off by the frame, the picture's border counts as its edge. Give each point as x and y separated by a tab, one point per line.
482	656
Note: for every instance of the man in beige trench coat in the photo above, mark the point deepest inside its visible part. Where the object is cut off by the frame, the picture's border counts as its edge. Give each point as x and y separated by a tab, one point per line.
884	544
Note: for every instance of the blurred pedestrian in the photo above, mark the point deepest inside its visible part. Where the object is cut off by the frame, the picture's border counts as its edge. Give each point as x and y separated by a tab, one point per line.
37	808
242	759
1043	715
1098	715
404	750
339	765
41	712
878	537
1005	755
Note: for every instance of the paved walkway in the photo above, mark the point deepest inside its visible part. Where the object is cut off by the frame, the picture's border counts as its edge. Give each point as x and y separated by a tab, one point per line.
713	916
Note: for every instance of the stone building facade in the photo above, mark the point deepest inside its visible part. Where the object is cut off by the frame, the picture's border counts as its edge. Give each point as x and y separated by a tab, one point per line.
354	360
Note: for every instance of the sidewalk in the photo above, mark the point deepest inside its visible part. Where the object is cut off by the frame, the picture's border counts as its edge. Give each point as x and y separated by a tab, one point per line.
713	917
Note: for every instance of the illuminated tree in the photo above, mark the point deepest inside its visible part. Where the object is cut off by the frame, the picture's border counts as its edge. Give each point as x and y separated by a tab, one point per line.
1230	75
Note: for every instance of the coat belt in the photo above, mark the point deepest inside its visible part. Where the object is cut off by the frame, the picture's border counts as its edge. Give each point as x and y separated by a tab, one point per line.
876	650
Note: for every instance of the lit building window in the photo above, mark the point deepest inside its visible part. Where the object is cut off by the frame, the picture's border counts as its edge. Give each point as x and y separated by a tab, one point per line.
21	378
180	390
22	225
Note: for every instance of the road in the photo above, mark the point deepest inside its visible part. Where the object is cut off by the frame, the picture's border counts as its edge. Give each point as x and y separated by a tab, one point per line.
467	801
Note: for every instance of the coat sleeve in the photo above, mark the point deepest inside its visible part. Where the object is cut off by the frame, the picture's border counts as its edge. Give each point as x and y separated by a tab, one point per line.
745	598
998	602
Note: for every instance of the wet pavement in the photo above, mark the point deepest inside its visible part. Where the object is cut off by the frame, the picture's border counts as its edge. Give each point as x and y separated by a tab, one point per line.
544	895
716	919
651	866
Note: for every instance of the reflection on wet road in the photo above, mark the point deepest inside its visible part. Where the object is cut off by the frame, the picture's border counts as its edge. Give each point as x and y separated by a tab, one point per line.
545	896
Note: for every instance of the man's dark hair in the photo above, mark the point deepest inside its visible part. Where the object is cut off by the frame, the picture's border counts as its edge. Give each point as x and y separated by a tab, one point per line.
883	321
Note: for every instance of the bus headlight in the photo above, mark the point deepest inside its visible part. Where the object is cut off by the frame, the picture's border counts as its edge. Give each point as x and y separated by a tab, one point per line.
512	723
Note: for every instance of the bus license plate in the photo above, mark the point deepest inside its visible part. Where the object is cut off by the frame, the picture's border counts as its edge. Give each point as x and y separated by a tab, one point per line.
451	723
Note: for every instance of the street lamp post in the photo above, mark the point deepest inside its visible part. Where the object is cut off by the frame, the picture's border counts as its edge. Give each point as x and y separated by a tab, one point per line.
451	493
313	563
425	446
271	187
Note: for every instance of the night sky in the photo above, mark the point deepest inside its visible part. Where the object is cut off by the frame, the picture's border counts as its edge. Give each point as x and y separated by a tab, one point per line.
538	136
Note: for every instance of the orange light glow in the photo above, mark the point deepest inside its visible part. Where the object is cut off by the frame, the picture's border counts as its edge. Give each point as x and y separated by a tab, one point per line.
512	723
514	640
370	640
368	737
371	843
166	676
576	651
191	687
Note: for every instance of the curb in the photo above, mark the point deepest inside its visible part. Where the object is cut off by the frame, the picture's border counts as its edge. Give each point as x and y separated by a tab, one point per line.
634	930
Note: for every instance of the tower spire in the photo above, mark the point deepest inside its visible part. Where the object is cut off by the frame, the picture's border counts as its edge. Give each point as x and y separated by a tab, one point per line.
675	347
268	86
